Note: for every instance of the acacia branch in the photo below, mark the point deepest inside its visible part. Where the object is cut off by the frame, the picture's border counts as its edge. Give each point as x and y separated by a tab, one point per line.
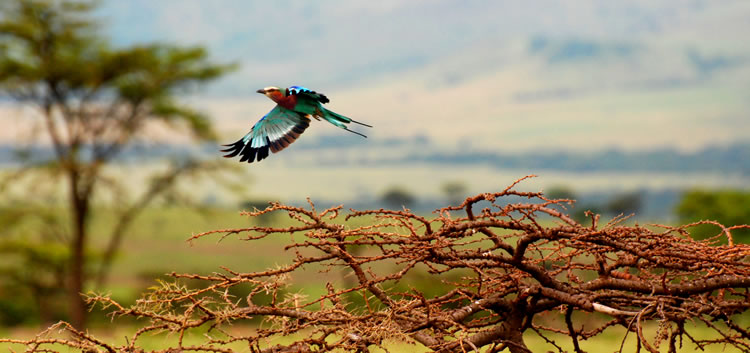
501	269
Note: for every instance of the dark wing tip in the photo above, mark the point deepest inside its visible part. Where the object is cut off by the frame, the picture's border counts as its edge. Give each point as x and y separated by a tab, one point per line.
247	153
233	149
251	154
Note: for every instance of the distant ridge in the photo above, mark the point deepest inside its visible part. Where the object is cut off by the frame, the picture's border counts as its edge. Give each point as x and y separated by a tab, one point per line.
733	158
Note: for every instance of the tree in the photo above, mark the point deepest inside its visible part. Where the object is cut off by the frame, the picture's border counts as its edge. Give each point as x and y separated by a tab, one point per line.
93	101
626	203
397	197
32	273
561	192
454	191
505	273
728	207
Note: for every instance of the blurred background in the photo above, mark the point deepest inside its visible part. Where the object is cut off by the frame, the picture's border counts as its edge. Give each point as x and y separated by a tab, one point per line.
648	96
628	107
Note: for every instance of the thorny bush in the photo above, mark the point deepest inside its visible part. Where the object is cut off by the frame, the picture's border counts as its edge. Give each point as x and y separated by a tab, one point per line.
507	268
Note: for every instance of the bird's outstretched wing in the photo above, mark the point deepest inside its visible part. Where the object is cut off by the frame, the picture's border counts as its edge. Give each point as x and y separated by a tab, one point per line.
302	91
274	132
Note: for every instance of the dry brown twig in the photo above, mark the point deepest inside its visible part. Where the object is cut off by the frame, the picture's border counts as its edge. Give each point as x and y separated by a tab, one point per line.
505	268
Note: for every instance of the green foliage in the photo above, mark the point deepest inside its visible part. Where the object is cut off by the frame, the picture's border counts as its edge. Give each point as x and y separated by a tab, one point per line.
580	212
626	203
32	265
93	100
398	197
561	192
728	207
32	282
454	191
52	49
258	204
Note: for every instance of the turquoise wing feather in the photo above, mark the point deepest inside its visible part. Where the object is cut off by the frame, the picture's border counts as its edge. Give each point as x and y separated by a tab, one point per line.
274	132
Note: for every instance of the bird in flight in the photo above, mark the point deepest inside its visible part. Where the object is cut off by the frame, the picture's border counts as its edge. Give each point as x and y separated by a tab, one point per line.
285	122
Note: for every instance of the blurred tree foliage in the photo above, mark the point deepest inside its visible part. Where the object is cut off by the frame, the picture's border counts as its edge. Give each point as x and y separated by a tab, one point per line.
561	192
33	273
92	100
728	207
397	197
625	203
455	191
578	212
258	204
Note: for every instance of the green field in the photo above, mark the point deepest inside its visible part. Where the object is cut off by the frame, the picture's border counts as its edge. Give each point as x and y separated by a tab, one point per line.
157	245
608	342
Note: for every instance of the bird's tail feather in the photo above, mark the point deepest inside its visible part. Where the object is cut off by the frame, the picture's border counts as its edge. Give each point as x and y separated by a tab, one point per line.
354	132
335	117
339	120
357	122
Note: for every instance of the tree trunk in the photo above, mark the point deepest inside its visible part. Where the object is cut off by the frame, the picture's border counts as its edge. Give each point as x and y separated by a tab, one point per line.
512	332
509	332
80	203
515	342
42	303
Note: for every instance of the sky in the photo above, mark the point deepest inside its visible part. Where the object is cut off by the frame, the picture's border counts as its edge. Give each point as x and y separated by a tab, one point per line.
457	76
493	74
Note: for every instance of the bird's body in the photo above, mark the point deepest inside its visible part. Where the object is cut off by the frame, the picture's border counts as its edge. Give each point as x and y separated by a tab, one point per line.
285	122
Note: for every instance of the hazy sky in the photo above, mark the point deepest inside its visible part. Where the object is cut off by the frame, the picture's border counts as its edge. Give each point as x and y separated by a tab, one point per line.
344	43
477	76
486	74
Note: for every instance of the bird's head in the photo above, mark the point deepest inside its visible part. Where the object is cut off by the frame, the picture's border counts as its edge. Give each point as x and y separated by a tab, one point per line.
271	92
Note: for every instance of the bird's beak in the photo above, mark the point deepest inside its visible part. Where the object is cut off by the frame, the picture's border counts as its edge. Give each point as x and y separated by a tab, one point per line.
261	91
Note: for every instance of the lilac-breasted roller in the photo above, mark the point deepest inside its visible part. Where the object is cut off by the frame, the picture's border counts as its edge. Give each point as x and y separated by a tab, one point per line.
285	122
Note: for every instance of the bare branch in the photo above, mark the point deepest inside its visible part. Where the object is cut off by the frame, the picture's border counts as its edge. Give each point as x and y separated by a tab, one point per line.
492	275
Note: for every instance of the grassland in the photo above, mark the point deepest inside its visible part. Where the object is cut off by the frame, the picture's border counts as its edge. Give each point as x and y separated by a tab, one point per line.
157	245
610	341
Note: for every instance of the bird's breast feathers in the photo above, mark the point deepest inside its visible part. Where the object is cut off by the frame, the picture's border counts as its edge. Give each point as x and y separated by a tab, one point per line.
288	102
